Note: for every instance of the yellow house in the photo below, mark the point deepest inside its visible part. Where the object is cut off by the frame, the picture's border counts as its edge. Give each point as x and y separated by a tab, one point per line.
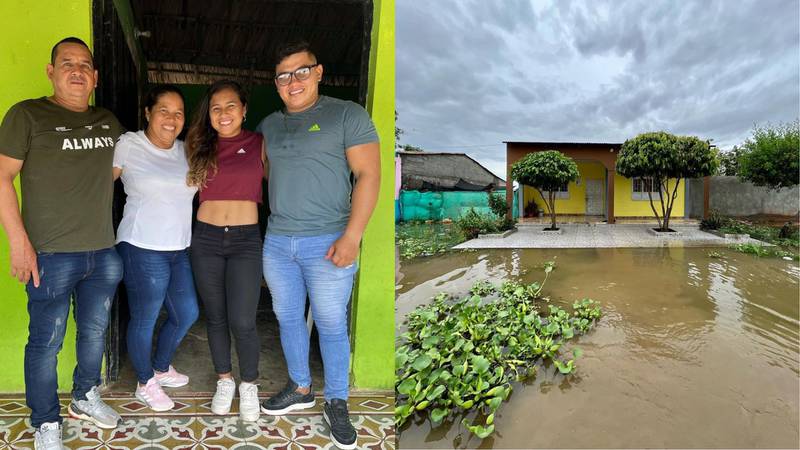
599	191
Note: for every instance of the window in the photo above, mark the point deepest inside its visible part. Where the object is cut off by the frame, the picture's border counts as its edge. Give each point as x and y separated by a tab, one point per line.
561	193
641	186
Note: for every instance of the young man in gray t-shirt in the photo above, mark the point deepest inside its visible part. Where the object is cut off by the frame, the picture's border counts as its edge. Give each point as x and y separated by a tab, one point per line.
314	231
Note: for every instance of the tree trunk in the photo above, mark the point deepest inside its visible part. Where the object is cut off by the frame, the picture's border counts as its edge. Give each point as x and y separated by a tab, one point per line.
552	199
671	204
662	188
653	207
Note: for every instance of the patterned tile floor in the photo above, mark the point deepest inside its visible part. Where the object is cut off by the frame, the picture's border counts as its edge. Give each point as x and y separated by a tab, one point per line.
191	425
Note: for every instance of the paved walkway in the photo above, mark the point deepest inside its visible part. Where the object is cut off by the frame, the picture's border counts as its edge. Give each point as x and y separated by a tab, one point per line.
603	236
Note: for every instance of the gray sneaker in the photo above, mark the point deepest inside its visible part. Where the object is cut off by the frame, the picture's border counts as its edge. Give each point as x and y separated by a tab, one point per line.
94	410
48	437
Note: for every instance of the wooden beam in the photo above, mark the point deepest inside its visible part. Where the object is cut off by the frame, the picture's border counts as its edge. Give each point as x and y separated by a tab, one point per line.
126	19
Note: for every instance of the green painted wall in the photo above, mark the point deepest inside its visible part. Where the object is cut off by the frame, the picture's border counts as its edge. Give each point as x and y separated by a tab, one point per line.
373	345
28	30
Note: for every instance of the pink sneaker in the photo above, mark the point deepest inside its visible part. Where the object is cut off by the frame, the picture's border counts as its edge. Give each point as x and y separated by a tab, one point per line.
171	378
153	396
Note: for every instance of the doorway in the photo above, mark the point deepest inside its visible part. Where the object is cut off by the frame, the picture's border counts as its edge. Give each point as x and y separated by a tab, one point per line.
594	197
191	44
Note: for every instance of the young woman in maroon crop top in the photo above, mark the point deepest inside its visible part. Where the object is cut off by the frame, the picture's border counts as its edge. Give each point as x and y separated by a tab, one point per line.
227	163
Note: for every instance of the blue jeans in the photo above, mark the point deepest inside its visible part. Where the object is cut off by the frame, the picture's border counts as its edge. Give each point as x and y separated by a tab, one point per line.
90	279
154	279
293	268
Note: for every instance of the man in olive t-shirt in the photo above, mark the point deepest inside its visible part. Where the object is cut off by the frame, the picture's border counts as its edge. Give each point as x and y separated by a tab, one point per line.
62	245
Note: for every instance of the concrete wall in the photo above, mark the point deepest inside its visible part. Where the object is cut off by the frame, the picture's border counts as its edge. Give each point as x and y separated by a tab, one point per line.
29	30
732	197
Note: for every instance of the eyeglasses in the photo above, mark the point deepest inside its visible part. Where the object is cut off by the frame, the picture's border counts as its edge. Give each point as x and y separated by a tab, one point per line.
300	74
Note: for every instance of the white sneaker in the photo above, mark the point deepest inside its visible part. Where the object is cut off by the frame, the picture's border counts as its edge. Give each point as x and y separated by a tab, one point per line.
48	437
249	409
221	403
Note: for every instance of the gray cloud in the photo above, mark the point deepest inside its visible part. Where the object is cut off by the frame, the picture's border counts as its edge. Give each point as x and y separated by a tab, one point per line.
471	74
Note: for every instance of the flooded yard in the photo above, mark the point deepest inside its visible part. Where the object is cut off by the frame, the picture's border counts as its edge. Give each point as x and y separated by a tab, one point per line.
693	350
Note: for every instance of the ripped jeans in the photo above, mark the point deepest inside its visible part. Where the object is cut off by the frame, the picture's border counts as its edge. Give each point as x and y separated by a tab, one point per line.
90	279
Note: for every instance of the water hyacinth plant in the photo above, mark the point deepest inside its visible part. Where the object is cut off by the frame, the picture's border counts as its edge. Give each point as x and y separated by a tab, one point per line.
461	355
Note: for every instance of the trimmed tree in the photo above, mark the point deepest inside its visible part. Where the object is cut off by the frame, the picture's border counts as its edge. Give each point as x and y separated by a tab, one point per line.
546	172
661	157
770	157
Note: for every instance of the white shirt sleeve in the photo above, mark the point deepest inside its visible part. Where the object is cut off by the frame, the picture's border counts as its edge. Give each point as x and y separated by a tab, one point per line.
121	150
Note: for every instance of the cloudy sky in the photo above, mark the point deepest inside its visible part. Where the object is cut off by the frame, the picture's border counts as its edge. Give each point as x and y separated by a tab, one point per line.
474	73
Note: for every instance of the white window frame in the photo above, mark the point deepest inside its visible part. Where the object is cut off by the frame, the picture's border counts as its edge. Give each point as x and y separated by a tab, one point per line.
561	194
641	195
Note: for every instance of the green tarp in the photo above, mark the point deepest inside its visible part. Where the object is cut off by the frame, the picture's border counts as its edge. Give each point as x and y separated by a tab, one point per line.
416	205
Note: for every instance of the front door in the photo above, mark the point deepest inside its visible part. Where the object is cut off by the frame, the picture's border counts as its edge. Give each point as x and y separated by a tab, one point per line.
594	197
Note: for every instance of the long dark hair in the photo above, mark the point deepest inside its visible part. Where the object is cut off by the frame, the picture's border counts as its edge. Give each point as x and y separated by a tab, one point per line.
201	141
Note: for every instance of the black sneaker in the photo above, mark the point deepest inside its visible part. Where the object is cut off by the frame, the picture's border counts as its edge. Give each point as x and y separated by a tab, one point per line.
343	434
288	400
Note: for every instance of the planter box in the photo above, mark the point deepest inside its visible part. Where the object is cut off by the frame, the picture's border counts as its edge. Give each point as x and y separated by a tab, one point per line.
736	237
558	231
497	235
664	234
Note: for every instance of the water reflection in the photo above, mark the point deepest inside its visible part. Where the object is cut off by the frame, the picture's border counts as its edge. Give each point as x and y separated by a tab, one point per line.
693	350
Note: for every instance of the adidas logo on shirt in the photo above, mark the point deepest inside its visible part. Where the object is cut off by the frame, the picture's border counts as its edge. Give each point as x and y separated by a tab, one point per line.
241	152
314	127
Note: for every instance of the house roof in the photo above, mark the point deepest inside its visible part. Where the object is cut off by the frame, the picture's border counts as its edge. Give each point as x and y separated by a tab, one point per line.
564	143
456	171
401	152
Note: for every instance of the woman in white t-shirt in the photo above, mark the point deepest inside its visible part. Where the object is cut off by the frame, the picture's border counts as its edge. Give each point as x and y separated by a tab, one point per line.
153	239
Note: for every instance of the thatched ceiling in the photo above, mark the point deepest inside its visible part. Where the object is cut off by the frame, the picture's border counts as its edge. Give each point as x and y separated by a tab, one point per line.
194	40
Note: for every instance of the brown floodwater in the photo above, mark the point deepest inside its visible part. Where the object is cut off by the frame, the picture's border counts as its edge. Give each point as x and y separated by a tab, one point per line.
692	351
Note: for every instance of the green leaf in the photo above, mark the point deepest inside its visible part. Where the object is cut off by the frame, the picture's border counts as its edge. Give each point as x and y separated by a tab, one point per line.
436	392
401	412
422	405
406	386
481	364
481	431
495	403
421	362
490	419
564	368
496	391
430	341
577	352
400	359
438	414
